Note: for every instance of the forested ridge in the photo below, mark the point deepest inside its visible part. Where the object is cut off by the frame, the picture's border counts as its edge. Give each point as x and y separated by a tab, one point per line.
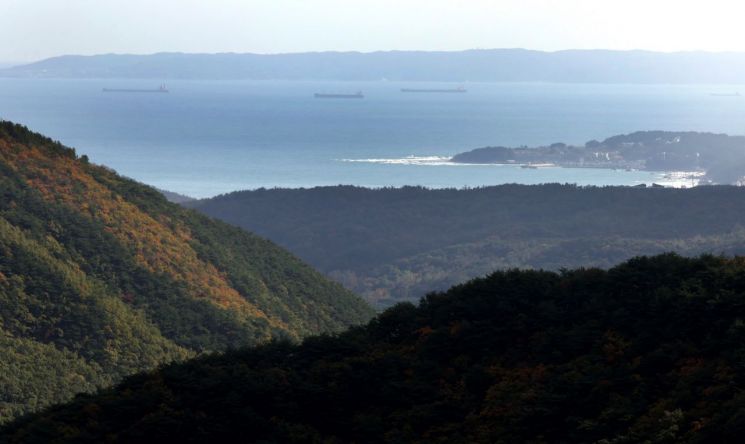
101	277
649	351
396	244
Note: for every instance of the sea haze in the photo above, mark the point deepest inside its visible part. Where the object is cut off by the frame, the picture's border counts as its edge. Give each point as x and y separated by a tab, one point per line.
207	137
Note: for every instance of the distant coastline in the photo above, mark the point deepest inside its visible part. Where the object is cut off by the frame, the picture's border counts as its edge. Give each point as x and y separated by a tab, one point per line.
698	157
193	150
483	65
665	178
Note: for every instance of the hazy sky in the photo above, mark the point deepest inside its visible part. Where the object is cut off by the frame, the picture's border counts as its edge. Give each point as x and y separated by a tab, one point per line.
35	29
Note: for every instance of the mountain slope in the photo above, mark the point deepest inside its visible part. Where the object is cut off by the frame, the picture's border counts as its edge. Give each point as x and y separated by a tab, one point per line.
503	65
396	244
105	275
648	351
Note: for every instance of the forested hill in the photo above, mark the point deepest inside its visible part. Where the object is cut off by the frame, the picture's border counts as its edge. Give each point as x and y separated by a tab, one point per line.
649	351
398	243
101	277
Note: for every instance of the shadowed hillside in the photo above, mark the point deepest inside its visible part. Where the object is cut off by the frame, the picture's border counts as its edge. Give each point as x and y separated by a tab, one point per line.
397	244
649	351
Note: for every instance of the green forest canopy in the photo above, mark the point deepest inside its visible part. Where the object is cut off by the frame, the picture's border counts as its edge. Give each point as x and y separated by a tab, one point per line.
649	351
101	277
396	244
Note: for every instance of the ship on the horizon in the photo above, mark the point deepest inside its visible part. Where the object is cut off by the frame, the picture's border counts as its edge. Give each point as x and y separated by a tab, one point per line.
357	95
460	89
161	89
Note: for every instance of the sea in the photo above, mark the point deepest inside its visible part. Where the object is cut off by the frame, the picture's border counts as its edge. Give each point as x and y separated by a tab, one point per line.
205	138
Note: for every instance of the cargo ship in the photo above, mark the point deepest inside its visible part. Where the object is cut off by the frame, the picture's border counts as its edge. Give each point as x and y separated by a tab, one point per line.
160	89
357	95
434	90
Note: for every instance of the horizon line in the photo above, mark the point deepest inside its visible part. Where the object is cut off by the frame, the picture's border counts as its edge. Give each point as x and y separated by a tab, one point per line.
14	63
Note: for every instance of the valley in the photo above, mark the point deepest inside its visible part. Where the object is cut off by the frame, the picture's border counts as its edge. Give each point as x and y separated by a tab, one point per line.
397	244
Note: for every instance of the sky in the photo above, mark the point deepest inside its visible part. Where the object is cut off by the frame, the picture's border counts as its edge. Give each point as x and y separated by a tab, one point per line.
35	29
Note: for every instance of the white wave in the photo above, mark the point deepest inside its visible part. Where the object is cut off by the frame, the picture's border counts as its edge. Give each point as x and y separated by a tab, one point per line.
408	160
437	161
681	179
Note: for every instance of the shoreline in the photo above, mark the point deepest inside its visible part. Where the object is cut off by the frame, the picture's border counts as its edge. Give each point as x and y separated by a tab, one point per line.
445	161
672	176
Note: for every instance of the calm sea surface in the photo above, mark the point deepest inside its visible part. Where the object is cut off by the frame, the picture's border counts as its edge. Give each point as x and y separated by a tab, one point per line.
206	138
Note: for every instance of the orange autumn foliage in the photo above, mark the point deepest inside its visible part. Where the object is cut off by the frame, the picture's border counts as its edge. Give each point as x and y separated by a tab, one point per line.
156	246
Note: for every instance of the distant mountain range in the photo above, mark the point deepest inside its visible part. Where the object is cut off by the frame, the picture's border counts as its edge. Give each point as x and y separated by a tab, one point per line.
506	65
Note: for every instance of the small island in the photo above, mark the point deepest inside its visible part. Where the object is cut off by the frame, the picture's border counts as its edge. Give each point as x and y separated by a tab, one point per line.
719	156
